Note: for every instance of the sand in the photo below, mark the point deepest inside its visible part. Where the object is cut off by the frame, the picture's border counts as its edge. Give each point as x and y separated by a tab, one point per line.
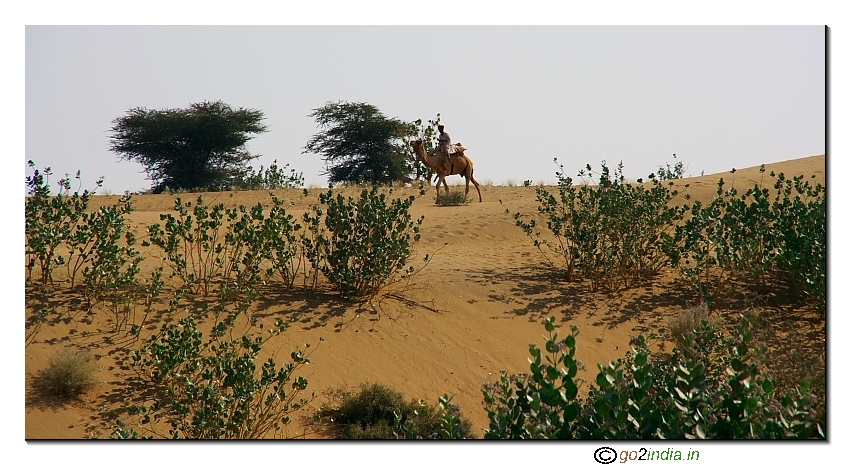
472	311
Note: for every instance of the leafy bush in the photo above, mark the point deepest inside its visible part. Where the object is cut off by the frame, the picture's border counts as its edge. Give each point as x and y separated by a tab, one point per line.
617	234
97	244
668	172
800	211
368	242
378	412
273	178
207	246
287	251
211	385
710	388
612	233
110	267
192	241
750	237
69	374
452	199
727	238
51	221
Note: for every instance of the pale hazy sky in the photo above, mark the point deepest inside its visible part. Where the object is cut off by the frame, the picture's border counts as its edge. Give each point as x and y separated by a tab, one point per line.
516	96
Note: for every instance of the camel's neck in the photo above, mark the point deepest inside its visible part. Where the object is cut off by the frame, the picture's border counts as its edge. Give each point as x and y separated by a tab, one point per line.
422	155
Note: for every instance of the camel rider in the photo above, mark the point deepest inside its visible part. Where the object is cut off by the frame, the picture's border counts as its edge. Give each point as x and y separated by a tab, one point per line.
445	141
445	144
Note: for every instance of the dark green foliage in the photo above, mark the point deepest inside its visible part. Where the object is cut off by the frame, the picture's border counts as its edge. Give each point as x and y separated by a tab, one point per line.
668	172
212	387
711	388
111	275
368	241
426	132
205	246
193	241
543	404
273	178
361	145
51	222
611	233
201	147
287	251
618	234
753	236
800	211
96	244
378	412
360	246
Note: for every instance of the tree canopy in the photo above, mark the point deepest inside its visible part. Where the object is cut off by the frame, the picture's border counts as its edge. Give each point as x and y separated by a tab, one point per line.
199	147
359	144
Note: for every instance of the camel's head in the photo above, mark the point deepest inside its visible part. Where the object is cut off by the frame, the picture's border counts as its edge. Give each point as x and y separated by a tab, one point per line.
418	145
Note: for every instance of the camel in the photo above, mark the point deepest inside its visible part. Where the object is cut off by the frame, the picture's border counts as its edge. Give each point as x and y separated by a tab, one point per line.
459	164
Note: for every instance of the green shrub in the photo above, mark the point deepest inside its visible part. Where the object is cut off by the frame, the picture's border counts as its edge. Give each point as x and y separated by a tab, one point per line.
365	244
273	178
193	243
668	172
50	221
800	211
378	412
712	387
211	386
287	252
69	374
452	199
728	238
243	247
109	260
752	237
612	233
207	246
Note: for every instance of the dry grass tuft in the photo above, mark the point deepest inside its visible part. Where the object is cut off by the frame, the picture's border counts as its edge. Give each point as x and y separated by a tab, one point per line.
70	374
688	320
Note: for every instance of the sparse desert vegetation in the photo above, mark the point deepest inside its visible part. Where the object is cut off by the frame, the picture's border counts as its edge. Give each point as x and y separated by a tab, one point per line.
69	374
201	307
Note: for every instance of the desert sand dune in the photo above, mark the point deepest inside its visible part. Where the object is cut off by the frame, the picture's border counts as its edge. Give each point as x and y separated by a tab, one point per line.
480	302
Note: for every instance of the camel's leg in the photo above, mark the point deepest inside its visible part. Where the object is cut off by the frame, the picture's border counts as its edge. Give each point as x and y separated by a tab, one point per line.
442	179
445	184
470	178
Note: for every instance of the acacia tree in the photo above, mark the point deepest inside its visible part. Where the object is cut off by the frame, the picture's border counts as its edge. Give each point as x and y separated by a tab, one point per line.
360	144
199	147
